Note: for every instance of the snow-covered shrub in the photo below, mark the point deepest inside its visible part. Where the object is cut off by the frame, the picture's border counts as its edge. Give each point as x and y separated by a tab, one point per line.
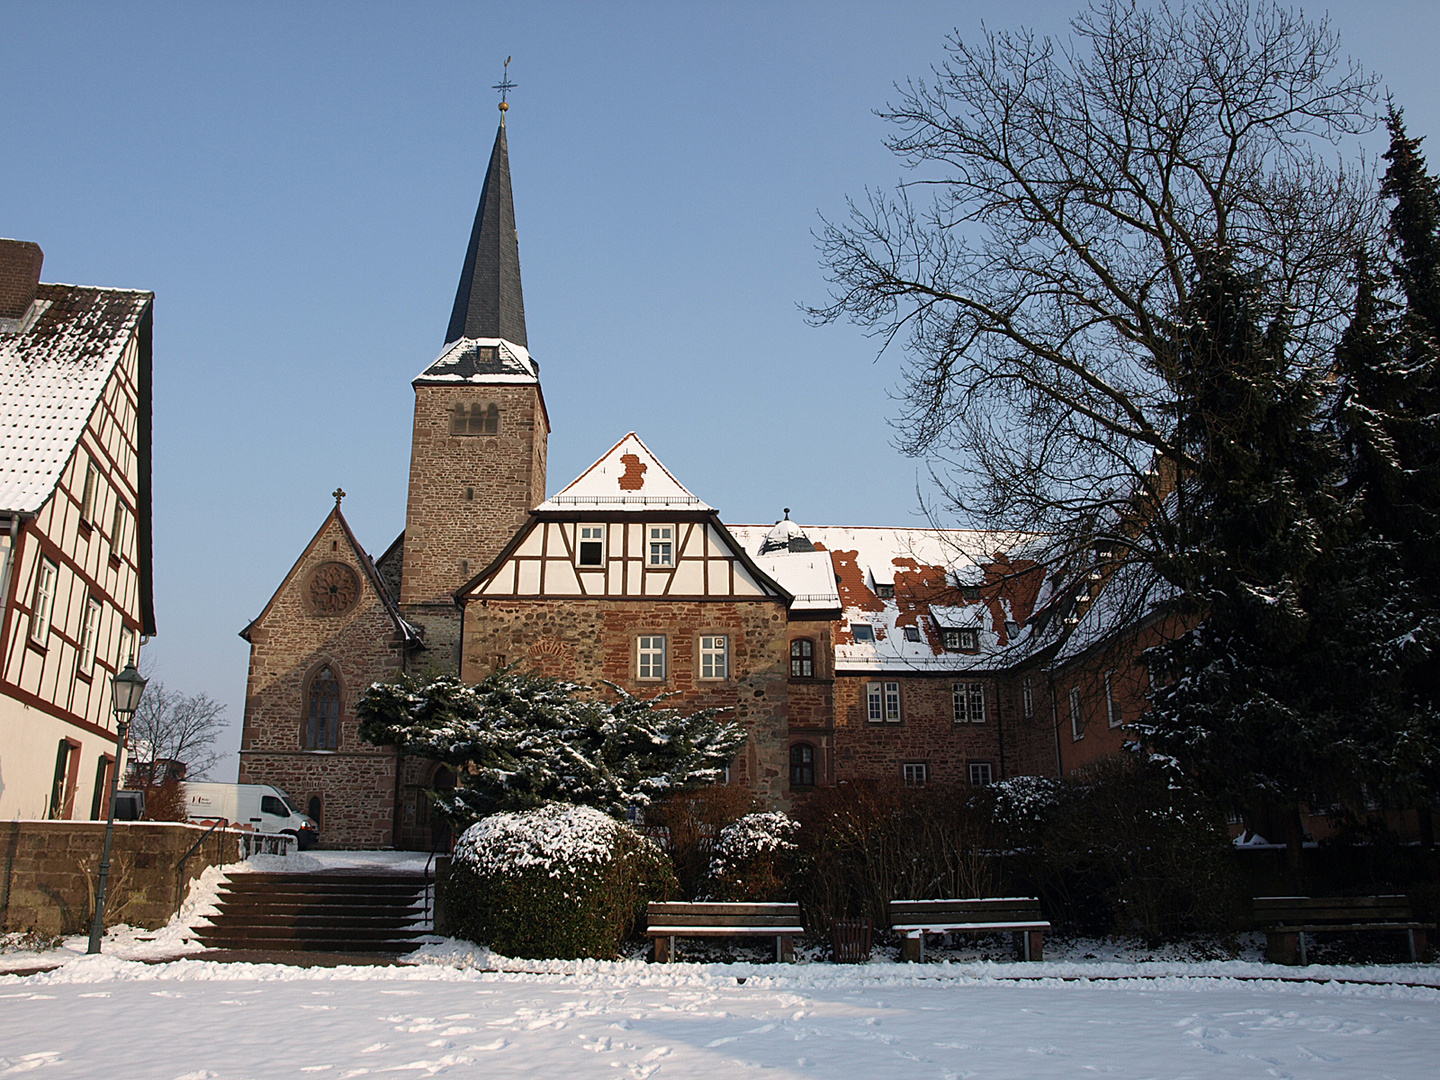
554	882
755	858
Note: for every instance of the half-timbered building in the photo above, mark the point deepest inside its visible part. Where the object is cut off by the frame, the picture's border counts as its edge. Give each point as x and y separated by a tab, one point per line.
74	530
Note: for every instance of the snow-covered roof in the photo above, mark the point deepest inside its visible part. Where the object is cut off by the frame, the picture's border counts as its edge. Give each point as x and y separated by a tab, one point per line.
52	372
481	361
921	565
1106	604
627	477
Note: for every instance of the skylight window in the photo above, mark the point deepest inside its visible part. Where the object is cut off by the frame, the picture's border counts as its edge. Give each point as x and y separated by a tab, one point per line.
862	631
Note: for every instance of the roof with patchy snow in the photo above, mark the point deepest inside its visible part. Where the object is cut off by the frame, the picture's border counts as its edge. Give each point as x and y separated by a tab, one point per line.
900	589
481	361
52	372
627	477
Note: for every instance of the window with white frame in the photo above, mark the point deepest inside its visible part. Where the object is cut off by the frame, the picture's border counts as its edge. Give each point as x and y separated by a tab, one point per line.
126	652
44	603
89	632
969	700
714	656
662	540
1077	716
1027	698
981	773
967	640
650	653
915	773
117	529
1112	707
882	702
87	495
592	545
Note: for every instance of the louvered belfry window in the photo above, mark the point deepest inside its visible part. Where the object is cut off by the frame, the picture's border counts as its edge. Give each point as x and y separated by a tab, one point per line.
322	724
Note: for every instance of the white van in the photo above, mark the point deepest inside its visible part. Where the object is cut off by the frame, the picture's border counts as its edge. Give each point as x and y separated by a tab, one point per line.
264	808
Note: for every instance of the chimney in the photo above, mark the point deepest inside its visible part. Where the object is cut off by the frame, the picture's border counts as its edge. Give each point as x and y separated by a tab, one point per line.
19	277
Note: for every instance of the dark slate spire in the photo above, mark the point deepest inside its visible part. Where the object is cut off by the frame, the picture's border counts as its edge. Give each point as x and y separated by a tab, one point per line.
488	303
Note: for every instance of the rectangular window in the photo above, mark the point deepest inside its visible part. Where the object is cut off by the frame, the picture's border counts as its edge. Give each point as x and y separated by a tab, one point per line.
661	550
969	701
912	633
980	773
714	656
87	495
915	773
1027	698
862	631
117	529
1077	717
100	800
885	592
44	603
89	632
592	545
126	652
1112	707
651	653
962	640
57	786
802	659
882	702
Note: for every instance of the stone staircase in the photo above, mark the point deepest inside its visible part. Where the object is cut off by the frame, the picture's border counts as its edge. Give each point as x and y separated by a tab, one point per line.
329	911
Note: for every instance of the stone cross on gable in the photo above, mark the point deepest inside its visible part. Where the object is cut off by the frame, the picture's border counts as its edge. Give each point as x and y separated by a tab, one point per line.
339	494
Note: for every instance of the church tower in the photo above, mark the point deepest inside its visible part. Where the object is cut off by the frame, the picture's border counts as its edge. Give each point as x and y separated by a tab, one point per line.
477	458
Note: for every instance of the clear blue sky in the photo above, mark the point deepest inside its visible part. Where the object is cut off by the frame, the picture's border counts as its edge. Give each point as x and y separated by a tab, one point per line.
296	183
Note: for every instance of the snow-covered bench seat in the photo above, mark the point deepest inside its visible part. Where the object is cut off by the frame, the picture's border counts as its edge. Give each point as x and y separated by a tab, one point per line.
1287	919
668	921
988	915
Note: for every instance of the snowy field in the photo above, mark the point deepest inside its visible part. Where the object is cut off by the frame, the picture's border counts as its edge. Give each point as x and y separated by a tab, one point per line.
1094	1008
104	1017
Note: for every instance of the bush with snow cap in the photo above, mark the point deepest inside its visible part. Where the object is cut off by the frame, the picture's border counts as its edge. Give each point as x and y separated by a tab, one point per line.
754	858
557	882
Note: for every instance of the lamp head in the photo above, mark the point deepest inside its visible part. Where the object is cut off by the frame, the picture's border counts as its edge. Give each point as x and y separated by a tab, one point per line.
127	687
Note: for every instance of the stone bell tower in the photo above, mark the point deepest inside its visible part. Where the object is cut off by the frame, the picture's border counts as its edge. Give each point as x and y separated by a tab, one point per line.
477	458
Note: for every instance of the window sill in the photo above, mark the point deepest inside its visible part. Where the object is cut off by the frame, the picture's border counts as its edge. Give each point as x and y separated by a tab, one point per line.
31	643
114	561
85	676
84	529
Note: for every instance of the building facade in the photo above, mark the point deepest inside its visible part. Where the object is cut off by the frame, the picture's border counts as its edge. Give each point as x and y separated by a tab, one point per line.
920	656
75	558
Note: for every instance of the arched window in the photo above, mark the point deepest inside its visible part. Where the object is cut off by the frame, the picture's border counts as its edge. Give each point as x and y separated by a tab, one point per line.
802	659
322	711
802	765
476	419
316	810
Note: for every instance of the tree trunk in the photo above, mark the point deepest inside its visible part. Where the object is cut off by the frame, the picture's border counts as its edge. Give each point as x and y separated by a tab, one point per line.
1294	832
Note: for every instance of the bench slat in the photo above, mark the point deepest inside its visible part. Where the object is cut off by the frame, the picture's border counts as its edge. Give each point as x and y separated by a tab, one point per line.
716	908
699	920
725	931
969	928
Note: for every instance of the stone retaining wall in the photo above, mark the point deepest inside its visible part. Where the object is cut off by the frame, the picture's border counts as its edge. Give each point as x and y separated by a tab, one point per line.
48	872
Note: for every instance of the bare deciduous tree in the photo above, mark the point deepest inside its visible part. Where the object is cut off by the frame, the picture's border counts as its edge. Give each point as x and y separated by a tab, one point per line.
172	726
1034	264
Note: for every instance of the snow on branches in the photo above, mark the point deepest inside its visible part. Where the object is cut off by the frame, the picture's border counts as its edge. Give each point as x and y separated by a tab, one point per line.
518	740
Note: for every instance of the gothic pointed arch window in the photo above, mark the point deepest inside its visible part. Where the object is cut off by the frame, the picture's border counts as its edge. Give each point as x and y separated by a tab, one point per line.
322	710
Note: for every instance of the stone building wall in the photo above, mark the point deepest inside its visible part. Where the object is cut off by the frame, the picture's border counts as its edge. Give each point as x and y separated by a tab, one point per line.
49	870
926	733
290	642
591	641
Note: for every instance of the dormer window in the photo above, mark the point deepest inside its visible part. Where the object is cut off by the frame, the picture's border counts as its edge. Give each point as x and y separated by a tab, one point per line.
912	633
885	592
476	419
592	545
970	593
967	640
862	631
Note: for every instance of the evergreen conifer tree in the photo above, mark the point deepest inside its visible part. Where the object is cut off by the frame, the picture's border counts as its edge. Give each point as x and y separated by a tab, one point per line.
1233	703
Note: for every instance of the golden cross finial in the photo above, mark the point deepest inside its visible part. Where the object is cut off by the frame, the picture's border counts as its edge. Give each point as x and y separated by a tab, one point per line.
504	86
339	494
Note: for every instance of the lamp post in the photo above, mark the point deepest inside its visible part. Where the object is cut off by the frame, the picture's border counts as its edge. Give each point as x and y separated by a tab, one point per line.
126	688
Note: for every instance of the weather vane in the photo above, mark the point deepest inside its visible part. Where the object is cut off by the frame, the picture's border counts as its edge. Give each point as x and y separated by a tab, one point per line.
504	86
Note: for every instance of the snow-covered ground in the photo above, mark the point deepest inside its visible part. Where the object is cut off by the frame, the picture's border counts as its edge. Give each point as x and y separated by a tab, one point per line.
100	1016
454	1009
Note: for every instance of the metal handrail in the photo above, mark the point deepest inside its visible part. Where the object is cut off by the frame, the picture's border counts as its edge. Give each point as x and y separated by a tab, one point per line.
222	823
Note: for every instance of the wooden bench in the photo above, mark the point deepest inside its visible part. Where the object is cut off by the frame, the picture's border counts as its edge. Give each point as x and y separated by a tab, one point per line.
1014	914
1287	919
668	921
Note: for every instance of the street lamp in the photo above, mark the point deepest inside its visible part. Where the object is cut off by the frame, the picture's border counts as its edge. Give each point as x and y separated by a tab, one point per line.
126	689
